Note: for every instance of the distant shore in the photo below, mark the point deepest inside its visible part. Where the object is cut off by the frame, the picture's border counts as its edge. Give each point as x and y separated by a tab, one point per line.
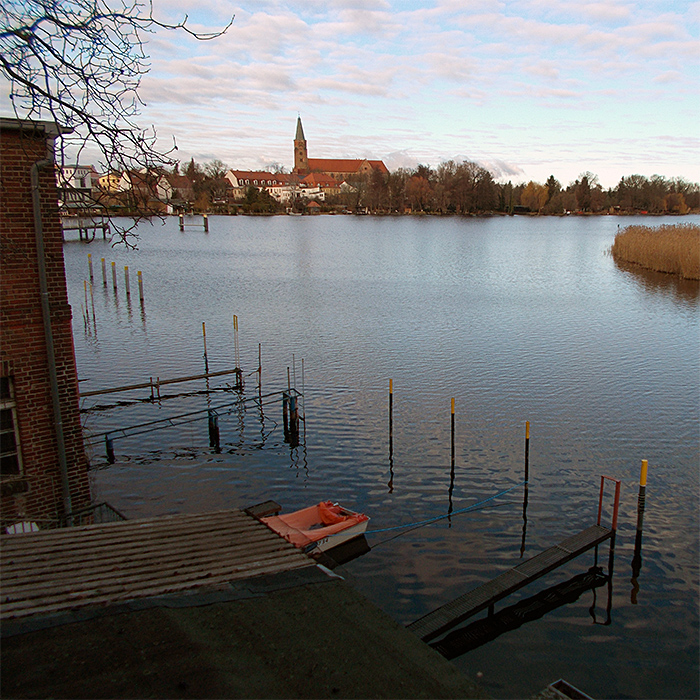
670	248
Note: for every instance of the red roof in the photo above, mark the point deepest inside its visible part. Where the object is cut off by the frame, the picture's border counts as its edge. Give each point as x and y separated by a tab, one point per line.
344	165
320	180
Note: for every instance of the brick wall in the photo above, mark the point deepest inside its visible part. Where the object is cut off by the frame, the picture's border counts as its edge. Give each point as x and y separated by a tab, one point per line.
36	494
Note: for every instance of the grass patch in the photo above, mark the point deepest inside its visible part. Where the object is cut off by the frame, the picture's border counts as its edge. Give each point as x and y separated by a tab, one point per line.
672	248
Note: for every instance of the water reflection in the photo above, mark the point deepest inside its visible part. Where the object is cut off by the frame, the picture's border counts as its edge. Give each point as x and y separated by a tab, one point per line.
480	632
680	289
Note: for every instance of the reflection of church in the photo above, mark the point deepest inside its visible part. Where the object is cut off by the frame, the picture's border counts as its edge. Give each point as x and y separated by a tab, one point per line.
340	169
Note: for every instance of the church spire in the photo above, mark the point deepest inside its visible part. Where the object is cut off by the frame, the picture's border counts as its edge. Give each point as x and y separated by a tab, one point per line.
300	131
301	158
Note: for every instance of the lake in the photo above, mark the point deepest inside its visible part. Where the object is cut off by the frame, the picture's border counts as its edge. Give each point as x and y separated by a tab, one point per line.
516	318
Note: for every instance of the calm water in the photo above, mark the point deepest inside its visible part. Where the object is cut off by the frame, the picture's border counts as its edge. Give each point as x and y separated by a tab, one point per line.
518	319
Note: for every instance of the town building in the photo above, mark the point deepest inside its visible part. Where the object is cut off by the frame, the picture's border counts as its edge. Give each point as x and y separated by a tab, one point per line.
43	467
339	169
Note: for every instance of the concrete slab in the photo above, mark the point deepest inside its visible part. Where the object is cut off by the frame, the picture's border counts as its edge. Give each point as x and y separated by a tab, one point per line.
299	634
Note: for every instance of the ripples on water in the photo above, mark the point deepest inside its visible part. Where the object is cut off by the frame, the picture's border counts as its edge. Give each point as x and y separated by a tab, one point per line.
518	319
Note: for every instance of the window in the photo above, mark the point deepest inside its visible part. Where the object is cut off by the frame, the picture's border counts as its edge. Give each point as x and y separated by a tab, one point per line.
10	458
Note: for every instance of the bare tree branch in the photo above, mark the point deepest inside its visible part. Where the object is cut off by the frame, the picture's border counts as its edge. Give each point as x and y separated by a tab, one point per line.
79	63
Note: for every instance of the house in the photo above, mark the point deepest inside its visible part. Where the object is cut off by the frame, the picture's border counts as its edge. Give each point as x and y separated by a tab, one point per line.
109	183
339	169
182	190
78	187
277	184
43	467
146	190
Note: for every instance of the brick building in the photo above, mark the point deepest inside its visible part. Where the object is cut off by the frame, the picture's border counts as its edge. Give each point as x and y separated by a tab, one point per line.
338	169
43	472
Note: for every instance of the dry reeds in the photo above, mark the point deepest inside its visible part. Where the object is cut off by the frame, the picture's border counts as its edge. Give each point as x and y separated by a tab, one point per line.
672	248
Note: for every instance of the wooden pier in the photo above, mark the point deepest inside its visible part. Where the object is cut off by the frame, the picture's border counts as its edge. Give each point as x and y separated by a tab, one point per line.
54	571
485	596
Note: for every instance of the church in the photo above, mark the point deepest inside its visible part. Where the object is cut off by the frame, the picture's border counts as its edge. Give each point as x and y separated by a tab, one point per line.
338	169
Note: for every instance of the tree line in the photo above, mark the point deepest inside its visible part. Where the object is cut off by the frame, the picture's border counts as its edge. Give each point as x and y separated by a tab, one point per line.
468	188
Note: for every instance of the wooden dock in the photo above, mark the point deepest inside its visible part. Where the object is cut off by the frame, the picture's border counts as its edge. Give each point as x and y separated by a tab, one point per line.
485	596
54	571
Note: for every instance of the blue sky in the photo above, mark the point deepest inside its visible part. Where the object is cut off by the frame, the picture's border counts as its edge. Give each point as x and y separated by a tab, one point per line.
527	88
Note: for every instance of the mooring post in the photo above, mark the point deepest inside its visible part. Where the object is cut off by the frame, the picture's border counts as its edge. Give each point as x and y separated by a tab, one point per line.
204	338
150	379
260	373
293	421
285	416
104	273
140	279
92	276
391	417
527	451
452	433
114	277
206	222
126	281
637	557
87	309
237	354
182	221
214	440
109	444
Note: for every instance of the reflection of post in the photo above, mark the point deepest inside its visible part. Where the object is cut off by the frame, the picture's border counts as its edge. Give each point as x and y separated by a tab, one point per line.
637	558
522	542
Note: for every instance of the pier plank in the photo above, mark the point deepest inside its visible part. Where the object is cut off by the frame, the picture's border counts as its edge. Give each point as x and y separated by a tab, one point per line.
447	616
57	570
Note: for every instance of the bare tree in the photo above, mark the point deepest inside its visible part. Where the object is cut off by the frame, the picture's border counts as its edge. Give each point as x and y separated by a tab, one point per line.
79	63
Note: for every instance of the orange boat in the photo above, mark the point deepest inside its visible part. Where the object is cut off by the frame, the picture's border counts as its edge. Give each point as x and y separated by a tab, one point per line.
318	528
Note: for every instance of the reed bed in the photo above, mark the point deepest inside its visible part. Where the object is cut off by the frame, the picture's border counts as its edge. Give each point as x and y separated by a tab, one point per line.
671	248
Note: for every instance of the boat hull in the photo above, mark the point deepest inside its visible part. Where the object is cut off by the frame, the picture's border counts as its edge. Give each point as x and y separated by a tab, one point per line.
319	528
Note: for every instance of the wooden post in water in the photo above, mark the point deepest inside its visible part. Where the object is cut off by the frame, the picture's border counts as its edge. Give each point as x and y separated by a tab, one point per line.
637	557
214	438
260	373
204	339
206	222
126	281
87	309
237	354
527	451
452	433
140	278
285	415
293	421
114	277
391	418
92	276
109	445
182	221
104	273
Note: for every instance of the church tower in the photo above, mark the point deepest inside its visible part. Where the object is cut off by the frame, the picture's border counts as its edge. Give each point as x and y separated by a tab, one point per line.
301	157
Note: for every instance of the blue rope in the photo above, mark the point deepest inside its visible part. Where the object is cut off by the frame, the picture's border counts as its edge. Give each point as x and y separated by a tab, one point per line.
467	509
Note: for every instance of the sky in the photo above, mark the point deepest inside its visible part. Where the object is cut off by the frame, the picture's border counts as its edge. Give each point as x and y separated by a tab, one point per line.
526	88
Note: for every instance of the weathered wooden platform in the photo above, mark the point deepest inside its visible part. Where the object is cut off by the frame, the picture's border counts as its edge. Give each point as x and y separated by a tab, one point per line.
57	570
447	616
